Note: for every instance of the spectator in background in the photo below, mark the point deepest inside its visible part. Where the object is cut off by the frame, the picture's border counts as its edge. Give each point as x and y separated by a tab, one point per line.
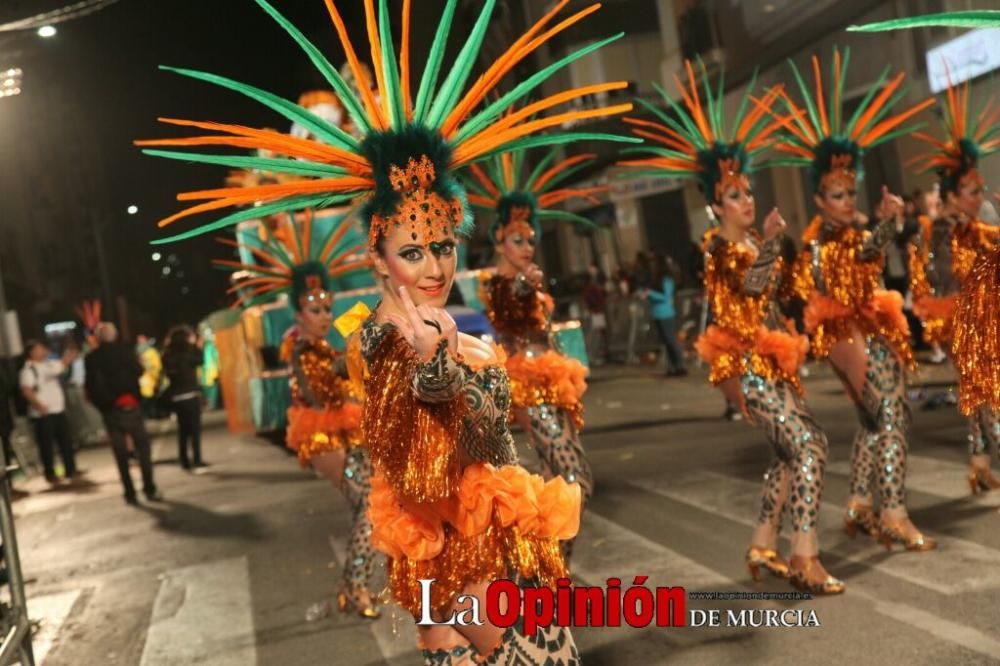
41	385
8	391
152	367
113	386
181	360
663	312
595	299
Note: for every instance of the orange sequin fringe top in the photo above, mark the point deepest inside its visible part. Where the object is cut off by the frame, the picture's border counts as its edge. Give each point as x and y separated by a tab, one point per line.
852	300
436	512
739	341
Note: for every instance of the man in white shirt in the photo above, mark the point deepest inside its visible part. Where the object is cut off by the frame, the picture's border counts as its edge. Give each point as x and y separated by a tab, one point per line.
47	407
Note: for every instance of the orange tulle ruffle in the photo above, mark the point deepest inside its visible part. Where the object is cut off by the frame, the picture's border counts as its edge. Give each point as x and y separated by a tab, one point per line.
498	519
828	321
774	355
548	379
313	432
936	313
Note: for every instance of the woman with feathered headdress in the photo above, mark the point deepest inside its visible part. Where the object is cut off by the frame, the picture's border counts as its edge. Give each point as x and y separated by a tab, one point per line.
754	356
324	419
967	253
942	262
546	387
449	501
857	326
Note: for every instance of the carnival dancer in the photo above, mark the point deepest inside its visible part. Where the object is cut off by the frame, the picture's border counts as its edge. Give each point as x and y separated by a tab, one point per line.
546	387
940	264
976	319
754	354
448	500
324	420
853	323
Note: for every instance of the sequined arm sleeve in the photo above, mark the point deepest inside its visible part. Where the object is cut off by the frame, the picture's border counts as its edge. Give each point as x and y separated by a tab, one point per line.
797	280
920	285
875	243
412	442
440	379
758	277
312	372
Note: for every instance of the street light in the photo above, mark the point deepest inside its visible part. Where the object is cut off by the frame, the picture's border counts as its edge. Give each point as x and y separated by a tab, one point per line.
10	82
157	256
133	209
47	31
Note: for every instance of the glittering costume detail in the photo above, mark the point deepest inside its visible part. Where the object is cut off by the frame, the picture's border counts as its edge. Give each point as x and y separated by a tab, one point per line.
518	312
359	561
326	412
800	447
550	646
749	336
425	213
546	387
885	417
325	417
977	336
984	432
842	294
863	454
939	265
448	500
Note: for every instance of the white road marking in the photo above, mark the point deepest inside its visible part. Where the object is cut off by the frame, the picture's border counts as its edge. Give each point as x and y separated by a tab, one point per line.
203	614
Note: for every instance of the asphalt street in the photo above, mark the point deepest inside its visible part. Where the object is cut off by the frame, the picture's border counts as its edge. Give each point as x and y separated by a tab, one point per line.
224	570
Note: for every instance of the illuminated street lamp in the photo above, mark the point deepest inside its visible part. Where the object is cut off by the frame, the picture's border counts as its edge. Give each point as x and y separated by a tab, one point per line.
10	82
133	209
47	31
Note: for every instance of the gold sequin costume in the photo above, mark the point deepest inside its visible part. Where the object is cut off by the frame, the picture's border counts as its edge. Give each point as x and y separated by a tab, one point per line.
838	273
398	168
749	334
450	502
325	414
944	261
748	341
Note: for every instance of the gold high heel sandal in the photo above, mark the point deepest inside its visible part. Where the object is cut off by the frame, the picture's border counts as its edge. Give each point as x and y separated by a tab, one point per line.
982	479
348	600
860	516
768	558
801	581
890	533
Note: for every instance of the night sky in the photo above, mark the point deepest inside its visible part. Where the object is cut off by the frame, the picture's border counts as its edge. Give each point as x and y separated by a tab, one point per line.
95	87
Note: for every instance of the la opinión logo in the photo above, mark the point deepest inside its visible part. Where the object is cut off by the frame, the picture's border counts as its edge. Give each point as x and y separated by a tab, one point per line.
566	606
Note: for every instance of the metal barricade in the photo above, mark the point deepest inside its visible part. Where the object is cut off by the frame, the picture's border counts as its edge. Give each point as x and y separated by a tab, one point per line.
14	622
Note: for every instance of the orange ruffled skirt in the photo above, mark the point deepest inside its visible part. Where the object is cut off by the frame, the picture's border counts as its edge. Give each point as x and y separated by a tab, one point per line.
828	322
548	379
313	432
501	521
937	314
773	355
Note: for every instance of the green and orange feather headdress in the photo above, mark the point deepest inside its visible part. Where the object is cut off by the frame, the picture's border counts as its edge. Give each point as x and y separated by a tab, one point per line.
499	186
969	137
697	142
299	268
411	139
821	139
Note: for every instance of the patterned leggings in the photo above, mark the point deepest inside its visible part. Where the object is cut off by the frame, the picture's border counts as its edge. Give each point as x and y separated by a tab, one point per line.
558	445
550	646
879	452
359	562
984	431
795	476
